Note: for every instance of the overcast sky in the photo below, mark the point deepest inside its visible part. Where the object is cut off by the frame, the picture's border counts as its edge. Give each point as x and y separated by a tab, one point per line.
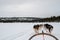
29	8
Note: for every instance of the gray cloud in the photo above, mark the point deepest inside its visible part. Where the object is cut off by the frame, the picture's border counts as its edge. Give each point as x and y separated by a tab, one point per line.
34	8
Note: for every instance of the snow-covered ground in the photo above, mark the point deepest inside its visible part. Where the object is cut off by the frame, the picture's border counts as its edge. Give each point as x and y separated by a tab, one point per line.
23	31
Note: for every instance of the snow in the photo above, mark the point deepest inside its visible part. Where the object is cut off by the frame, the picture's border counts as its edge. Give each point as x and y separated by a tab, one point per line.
23	31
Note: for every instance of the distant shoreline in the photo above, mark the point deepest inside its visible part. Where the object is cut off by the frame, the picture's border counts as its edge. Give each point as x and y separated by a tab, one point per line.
28	19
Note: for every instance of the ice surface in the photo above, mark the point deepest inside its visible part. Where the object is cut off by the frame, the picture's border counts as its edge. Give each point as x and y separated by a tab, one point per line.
23	31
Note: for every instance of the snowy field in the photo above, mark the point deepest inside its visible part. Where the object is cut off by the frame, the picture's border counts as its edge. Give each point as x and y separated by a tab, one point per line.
23	31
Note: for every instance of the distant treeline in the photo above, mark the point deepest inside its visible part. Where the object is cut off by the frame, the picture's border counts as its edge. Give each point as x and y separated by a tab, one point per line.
29	19
52	19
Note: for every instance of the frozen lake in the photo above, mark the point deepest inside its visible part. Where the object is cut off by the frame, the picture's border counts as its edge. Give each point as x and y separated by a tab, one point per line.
22	31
